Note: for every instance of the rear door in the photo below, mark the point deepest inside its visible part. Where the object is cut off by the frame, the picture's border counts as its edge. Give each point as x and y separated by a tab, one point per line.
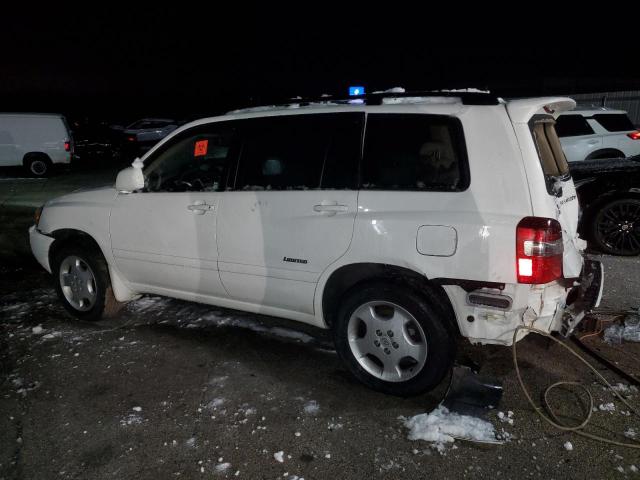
293	208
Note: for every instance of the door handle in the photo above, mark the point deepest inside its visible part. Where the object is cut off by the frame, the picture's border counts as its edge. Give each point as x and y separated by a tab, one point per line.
593	142
330	209
200	208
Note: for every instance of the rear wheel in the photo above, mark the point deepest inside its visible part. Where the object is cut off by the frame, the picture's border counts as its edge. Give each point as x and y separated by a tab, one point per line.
82	282
393	339
615	228
39	165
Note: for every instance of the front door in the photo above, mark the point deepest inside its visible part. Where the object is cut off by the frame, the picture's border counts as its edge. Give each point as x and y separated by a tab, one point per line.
164	237
293	208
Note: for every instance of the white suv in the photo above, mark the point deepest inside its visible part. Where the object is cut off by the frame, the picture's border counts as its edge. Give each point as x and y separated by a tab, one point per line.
398	221
600	133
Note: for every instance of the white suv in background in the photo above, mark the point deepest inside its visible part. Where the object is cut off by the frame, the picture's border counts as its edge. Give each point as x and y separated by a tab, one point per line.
597	133
398	221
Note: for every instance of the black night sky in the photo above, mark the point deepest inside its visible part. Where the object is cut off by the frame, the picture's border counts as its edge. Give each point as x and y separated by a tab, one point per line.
117	62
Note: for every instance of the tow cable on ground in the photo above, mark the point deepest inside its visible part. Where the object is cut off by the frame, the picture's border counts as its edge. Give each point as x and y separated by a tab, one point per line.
552	419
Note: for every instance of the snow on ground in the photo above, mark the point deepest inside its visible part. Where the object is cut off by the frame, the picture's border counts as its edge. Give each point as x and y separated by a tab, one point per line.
506	417
222	467
131	419
624	389
279	456
568	446
311	407
607	407
442	426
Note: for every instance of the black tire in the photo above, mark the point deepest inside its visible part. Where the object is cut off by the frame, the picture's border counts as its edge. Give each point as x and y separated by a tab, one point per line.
615	227
38	164
424	307
105	304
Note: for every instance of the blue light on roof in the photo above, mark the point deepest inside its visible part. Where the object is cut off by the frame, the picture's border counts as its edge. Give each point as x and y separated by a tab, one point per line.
355	91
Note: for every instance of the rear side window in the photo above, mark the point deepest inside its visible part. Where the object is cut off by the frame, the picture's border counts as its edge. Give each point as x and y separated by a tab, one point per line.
552	159
614	122
414	152
572	126
300	152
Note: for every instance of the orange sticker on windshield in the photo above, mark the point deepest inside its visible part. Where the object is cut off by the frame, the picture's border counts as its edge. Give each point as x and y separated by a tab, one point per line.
201	148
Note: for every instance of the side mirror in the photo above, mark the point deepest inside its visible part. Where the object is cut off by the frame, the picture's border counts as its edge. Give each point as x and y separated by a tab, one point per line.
129	180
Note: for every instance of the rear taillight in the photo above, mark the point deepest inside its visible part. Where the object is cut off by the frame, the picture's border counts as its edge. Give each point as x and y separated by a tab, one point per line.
538	250
131	138
67	146
634	135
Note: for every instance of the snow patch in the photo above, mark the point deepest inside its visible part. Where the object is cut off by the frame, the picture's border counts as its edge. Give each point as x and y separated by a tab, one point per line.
215	403
508	417
37	330
131	419
607	407
441	426
568	446
279	456
311	407
222	467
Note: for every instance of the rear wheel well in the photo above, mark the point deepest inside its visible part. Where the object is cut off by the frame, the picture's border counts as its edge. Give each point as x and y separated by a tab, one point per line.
606	153
67	236
35	155
350	276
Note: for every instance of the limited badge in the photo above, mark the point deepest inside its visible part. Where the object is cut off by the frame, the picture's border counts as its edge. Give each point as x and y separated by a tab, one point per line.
201	148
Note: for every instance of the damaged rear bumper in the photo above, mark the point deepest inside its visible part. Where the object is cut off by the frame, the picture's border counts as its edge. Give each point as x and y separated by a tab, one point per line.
584	296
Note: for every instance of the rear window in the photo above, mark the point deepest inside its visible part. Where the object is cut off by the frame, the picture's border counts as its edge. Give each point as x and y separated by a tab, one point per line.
414	152
552	159
572	126
614	122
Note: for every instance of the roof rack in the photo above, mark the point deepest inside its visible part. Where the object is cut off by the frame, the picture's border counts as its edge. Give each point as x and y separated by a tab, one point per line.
377	98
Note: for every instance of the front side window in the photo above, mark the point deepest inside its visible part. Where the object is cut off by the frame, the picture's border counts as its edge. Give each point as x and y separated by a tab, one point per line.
198	159
300	152
572	126
414	152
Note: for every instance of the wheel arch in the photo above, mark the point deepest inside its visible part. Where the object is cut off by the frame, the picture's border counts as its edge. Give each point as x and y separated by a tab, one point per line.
35	154
65	236
349	276
606	153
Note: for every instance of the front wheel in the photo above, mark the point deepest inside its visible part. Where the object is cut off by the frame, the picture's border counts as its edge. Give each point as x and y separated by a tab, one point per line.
393	339
82	282
615	228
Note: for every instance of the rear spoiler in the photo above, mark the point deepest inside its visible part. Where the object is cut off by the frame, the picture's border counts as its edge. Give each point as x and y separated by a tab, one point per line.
521	111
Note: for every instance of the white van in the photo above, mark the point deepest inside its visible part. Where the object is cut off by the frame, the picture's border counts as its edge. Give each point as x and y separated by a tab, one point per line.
36	141
400	222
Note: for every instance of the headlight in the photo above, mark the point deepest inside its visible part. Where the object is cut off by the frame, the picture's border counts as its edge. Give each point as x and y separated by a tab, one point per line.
37	214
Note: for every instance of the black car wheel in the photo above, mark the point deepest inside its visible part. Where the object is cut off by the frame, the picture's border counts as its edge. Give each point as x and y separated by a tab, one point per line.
616	227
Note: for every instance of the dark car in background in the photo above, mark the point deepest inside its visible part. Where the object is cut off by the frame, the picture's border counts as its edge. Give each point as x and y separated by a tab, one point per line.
141	135
609	195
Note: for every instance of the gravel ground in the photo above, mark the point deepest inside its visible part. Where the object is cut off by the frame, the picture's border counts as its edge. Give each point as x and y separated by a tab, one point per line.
177	390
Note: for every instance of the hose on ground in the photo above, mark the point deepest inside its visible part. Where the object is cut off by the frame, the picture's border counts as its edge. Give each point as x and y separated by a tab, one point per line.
552	419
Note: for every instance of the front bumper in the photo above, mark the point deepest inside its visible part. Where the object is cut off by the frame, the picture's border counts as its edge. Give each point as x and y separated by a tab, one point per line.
40	245
584	296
